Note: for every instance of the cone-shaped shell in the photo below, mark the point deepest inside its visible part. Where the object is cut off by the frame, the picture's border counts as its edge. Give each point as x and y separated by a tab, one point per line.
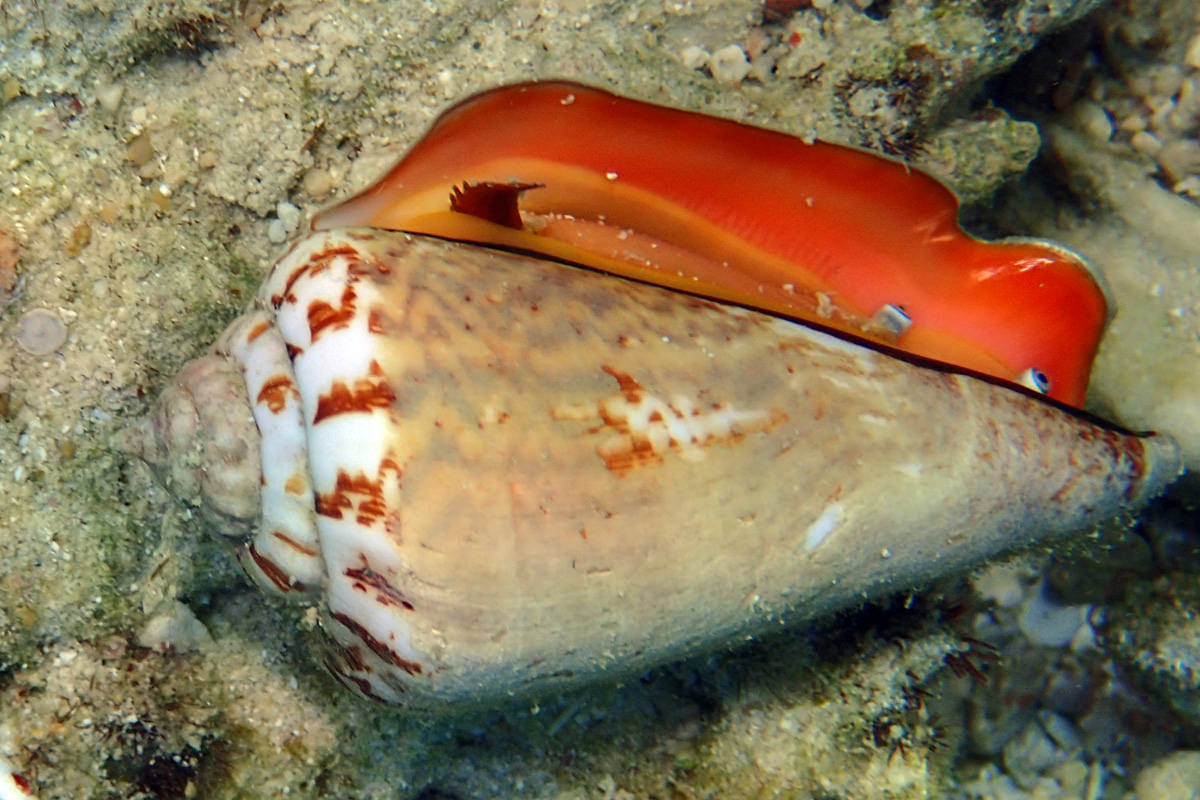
510	473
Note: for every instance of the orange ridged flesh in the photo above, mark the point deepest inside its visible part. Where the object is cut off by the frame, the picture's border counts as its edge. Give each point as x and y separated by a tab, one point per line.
812	231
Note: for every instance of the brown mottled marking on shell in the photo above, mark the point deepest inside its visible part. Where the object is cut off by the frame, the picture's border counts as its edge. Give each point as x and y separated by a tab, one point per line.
375	645
629	387
371	506
273	571
680	425
323	316
367	395
296	484
353	657
276	392
316	262
366	578
292	543
257	331
342	672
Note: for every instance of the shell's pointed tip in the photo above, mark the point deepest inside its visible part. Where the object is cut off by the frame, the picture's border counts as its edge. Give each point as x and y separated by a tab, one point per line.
1163	465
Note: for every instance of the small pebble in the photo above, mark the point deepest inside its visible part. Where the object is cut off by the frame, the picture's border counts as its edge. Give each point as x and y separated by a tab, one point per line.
174	629
1179	159
276	231
1091	119
1047	623
141	150
1176	777
150	171
109	97
81	237
1045	742
40	332
318	182
693	57
1159	108
289	215
1189	186
1133	123
1167	80
1192	56
1146	143
729	64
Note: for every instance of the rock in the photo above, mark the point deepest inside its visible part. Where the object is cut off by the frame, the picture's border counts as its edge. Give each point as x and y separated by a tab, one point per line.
1050	624
1091	119
1145	241
1176	777
1179	159
1153	636
1048	740
174	629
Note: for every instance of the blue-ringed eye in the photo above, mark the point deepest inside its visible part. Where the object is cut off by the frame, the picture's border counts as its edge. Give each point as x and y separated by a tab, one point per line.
1035	379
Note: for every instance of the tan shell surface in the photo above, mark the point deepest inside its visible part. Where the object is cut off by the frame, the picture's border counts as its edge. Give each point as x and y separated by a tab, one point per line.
582	474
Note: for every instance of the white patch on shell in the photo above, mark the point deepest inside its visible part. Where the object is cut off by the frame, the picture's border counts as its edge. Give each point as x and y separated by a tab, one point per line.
10	788
680	423
325	295
287	534
827	523
645	427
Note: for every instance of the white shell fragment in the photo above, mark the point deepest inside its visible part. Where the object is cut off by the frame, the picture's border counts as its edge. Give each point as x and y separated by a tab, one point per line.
13	786
496	475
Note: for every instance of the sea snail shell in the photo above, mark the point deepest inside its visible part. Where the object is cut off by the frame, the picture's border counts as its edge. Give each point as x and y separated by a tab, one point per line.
494	474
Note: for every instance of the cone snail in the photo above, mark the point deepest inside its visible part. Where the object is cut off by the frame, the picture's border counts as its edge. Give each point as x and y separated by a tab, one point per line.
495	473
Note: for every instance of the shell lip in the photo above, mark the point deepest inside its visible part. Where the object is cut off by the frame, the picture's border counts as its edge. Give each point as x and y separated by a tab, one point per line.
1078	258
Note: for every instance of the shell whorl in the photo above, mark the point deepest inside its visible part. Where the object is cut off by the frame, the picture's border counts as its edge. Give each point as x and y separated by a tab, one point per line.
202	444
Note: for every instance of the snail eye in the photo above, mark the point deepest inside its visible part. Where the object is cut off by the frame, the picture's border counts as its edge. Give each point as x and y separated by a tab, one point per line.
1035	379
893	319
